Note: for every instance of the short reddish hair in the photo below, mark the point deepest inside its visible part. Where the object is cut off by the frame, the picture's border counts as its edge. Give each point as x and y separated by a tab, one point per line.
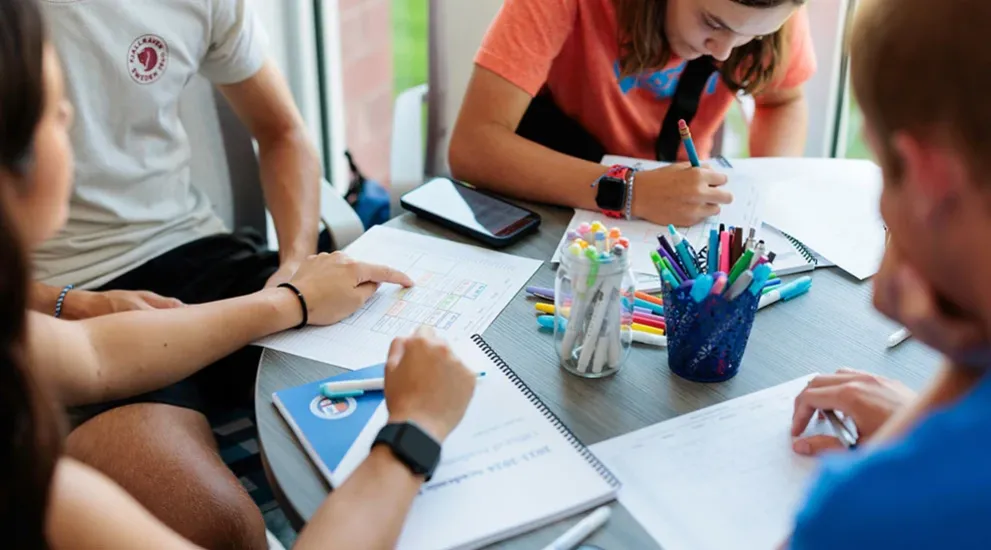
924	67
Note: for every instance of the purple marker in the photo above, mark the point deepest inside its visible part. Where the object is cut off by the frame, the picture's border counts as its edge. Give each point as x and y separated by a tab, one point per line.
541	292
677	267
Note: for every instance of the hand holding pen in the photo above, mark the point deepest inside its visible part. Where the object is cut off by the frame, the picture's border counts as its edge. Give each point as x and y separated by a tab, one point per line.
679	194
869	400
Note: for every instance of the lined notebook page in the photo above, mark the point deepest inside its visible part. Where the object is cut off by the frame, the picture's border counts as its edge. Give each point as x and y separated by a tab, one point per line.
722	477
506	469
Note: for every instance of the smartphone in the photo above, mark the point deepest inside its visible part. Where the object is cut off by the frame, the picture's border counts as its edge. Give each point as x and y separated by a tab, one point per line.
471	212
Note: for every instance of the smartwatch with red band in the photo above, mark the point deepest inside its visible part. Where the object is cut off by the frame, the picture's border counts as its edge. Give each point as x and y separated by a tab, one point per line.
612	191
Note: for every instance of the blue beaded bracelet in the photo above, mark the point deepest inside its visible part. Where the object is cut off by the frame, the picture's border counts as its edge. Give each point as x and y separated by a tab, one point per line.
61	299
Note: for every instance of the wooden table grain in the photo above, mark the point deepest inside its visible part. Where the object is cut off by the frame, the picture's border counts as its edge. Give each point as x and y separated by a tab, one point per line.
832	326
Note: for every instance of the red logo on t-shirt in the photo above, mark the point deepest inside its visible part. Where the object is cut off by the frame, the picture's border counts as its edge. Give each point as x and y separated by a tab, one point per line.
147	58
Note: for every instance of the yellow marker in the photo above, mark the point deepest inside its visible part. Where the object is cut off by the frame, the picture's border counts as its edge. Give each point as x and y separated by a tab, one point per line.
549	309
648	330
597	226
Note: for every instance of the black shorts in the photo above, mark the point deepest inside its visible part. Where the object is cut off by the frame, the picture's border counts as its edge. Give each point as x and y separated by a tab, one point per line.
210	269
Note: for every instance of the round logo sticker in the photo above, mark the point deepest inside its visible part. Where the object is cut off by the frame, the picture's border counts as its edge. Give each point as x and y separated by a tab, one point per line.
147	58
332	409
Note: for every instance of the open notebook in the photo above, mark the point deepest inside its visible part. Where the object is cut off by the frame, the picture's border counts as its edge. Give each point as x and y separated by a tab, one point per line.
509	467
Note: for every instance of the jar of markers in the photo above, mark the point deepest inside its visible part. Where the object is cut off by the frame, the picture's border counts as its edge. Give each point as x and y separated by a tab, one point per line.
593	302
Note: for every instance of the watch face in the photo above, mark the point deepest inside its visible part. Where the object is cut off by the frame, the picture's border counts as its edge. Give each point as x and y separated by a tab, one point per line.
416	444
611	194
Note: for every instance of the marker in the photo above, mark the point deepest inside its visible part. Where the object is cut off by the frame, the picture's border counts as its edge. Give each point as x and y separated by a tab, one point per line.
898	337
355	388
675	265
686	138
760	277
669	277
742	264
681	245
759	252
719	284
713	255
547	321
648	330
741	285
649	322
648	298
650	339
671	269
572	537
658	310
771	283
701	288
786	292
549	309
541	292
593	273
583	229
600	241
737	245
724	252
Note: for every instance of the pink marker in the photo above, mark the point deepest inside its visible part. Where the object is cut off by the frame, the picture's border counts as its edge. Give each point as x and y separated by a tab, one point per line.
719	285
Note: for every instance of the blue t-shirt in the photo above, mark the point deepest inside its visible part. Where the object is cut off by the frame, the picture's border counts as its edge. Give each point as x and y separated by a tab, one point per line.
931	490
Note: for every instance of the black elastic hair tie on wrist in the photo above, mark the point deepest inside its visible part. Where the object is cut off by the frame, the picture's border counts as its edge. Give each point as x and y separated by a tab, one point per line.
302	303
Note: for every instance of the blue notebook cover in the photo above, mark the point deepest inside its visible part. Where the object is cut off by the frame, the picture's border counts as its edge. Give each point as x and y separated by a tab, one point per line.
328	427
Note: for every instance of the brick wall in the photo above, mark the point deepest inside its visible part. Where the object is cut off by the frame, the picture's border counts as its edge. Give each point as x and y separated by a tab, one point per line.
366	51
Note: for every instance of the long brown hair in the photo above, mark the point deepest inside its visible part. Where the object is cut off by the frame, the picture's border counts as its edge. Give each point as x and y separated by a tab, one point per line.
643	45
30	437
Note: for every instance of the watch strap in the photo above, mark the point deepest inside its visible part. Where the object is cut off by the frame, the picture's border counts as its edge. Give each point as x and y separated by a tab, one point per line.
392	436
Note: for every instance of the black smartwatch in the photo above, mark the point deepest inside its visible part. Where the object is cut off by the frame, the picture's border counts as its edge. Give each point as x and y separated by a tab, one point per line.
412	446
611	189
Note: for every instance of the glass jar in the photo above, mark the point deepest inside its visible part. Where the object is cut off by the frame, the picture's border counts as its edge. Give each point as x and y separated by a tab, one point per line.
593	305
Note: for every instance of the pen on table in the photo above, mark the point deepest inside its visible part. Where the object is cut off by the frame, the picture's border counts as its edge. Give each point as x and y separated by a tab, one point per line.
355	388
786	292
686	138
842	432
898	337
572	537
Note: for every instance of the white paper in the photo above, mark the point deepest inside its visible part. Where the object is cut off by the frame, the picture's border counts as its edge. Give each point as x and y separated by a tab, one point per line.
505	469
831	205
459	291
722	477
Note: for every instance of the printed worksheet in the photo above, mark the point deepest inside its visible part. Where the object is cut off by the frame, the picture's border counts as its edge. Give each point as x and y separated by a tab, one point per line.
459	291
722	477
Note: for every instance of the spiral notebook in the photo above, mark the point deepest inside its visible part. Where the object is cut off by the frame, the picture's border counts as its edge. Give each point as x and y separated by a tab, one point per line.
791	255
510	466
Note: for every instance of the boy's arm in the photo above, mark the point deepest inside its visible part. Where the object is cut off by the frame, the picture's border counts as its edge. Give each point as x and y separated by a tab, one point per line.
290	166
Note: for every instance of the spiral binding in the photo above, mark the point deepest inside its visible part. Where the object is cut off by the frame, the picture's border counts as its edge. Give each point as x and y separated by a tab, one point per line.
803	250
555	421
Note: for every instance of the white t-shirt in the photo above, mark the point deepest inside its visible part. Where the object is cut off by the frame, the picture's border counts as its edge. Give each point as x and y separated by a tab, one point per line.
126	64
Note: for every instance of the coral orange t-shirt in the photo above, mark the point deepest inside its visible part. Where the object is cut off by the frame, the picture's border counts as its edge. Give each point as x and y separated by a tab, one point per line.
571	48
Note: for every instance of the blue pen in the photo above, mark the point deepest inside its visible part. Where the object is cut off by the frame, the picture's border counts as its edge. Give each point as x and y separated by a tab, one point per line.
701	288
761	273
686	138
713	251
681	245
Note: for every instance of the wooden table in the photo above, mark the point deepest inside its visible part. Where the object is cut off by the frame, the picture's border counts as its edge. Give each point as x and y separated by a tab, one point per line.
832	326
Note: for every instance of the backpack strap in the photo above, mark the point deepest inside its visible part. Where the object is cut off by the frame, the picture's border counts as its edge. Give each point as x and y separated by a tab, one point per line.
684	106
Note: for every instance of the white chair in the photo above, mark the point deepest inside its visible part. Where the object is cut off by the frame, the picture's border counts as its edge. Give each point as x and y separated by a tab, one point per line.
225	166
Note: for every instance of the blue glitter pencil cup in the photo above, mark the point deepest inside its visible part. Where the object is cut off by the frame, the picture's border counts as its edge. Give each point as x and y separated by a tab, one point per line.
706	339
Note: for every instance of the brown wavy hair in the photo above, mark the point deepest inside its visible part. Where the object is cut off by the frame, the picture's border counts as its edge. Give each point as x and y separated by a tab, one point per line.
643	45
30	434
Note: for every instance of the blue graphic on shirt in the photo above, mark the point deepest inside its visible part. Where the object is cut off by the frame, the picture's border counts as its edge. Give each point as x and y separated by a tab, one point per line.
661	83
